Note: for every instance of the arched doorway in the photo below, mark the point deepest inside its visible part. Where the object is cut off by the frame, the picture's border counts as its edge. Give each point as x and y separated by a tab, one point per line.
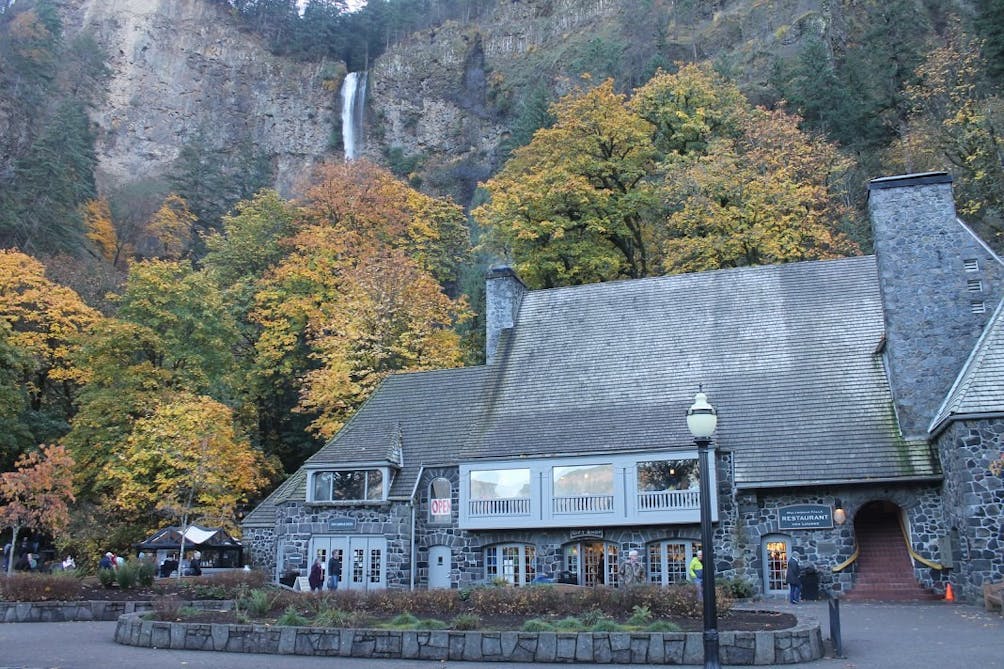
592	562
884	568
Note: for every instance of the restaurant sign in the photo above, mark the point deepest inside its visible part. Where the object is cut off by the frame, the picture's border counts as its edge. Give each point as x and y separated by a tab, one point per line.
805	517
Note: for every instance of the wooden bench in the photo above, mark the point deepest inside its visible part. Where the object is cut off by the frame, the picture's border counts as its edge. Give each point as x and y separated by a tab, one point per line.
992	594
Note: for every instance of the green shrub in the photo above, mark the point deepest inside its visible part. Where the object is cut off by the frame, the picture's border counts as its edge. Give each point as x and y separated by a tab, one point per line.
337	618
145	572
39	587
403	621
292	618
662	626
640	616
126	575
569	624
106	577
606	625
739	588
431	624
466	621
537	625
257	603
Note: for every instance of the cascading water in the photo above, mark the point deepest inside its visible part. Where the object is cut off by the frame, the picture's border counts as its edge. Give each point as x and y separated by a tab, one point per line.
353	97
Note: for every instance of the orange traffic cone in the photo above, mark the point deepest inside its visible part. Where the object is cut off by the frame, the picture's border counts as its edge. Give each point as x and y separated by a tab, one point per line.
949	595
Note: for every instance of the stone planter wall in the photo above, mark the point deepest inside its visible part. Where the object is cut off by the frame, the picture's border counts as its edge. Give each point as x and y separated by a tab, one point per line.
802	643
61	612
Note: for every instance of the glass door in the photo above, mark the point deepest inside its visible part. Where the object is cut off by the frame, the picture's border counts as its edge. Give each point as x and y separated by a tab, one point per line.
775	562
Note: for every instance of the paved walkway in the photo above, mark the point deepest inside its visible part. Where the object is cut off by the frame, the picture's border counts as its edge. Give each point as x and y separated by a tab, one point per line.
932	635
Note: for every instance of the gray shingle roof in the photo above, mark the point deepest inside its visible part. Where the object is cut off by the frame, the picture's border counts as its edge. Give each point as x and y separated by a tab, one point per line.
786	353
263	515
979	388
430	413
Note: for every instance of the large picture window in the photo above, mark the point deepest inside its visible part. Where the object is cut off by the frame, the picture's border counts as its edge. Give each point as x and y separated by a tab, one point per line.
511	563
659	475
585	488
360	485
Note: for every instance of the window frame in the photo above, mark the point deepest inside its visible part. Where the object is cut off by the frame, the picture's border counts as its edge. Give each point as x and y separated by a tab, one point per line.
379	496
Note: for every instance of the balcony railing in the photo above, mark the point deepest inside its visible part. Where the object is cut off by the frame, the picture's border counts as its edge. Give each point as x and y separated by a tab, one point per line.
584	504
669	500
510	506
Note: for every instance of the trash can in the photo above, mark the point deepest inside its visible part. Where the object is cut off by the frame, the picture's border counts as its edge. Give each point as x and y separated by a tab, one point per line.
810	583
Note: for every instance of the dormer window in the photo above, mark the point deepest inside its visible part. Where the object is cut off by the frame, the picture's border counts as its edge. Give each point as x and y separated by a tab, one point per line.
354	485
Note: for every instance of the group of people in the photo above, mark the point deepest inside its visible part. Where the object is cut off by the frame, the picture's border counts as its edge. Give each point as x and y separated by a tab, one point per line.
316	577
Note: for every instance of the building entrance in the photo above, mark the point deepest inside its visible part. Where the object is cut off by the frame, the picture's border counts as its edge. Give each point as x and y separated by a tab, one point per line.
592	562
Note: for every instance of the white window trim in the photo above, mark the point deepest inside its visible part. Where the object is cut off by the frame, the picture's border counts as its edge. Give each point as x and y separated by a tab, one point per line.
384	492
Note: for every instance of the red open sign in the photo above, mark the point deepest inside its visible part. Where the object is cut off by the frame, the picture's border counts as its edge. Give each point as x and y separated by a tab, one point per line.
441	507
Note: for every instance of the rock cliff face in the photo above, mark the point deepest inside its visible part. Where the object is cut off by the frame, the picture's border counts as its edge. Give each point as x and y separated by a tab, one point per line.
436	95
181	72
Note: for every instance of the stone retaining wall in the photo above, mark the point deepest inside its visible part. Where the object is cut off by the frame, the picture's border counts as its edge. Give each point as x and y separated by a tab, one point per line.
802	643
61	612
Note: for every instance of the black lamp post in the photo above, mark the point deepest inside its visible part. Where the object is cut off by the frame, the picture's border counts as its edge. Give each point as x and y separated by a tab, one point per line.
702	420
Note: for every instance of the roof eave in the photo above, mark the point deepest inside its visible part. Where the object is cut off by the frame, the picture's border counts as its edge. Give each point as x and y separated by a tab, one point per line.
760	485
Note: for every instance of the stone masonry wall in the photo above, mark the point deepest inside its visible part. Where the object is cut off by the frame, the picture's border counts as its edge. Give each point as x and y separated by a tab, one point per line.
802	643
973	494
921	249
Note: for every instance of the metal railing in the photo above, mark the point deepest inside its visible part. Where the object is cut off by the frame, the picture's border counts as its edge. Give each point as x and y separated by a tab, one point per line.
509	506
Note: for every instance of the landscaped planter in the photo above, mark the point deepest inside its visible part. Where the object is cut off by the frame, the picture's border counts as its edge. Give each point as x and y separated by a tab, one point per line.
801	643
60	612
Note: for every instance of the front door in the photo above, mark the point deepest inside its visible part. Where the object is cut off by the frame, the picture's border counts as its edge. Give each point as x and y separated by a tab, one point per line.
592	562
439	567
364	560
775	564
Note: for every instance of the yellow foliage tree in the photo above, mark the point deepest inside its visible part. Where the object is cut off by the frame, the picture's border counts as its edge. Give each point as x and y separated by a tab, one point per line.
186	462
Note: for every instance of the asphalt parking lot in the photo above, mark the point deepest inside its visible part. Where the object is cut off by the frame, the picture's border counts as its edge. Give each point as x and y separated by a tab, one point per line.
930	635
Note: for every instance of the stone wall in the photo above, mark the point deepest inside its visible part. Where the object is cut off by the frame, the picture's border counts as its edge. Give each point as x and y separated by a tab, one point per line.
973	496
60	612
921	248
802	643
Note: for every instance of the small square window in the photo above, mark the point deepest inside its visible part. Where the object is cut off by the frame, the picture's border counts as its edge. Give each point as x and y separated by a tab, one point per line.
974	286
978	307
971	265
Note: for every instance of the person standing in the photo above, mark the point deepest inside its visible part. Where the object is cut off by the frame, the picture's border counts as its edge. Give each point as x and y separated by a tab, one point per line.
794	578
695	572
316	578
334	571
632	572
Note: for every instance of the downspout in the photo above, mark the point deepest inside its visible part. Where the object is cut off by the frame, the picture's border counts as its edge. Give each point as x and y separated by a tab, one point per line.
414	513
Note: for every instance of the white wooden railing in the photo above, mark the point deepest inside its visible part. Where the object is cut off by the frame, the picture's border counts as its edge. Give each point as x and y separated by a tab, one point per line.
509	506
583	504
669	500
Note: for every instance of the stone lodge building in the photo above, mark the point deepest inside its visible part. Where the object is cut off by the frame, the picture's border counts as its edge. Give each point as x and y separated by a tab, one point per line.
860	414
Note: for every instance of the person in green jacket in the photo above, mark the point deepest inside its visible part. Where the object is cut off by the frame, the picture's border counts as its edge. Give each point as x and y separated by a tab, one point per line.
695	572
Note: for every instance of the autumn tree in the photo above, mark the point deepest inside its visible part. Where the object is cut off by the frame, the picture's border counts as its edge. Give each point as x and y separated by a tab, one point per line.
44	321
36	495
685	175
574	205
186	462
955	125
357	296
758	199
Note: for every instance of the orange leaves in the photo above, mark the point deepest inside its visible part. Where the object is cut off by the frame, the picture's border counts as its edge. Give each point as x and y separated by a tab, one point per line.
45	317
37	493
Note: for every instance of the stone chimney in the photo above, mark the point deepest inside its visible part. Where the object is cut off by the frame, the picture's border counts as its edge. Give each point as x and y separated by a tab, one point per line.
503	294
939	283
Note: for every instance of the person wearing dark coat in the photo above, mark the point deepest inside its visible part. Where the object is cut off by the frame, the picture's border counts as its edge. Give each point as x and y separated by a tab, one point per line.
316	578
794	578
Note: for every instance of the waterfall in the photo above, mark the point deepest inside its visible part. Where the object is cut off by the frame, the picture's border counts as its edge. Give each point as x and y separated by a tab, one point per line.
353	97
